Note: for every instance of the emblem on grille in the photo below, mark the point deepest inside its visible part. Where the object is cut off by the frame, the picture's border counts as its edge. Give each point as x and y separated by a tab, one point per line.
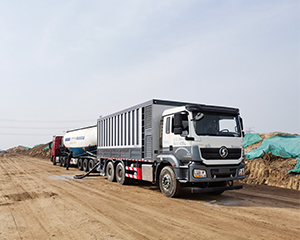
223	152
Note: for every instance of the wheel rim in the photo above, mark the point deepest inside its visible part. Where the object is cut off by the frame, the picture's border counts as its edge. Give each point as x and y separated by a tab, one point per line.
109	171
119	172
166	182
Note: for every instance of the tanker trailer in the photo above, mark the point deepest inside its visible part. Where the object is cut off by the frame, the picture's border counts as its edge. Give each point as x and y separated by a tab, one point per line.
82	142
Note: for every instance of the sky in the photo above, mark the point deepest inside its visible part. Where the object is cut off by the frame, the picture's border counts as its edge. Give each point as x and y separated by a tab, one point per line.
65	63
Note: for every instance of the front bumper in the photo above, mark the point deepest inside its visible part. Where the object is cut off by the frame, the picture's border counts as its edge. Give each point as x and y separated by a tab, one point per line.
185	174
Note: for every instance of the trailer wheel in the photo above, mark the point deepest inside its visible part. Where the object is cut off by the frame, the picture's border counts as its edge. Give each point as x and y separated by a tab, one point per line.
85	165
80	164
54	160
110	172
168	184
91	164
120	174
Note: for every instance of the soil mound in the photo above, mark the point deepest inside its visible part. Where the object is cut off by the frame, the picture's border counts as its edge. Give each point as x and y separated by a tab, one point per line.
41	151
19	149
271	170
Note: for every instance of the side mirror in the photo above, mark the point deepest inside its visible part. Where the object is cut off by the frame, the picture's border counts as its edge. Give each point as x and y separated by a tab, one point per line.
241	121
178	123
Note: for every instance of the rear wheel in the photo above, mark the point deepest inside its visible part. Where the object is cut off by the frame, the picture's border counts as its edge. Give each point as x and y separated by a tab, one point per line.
63	161
91	164
80	164
110	172
168	184
120	174
85	165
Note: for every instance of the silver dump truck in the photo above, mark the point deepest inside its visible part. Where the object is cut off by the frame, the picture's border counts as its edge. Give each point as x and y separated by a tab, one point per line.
173	144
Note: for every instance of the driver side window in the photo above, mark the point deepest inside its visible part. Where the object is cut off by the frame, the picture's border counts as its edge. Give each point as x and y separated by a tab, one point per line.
184	125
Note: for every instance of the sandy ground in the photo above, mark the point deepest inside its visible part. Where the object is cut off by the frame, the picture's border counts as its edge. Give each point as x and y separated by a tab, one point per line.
42	201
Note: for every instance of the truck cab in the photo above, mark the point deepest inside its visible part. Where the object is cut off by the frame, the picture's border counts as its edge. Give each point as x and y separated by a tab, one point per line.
204	144
55	149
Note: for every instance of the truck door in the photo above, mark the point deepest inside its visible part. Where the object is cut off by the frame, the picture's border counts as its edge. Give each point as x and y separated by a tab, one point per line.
170	139
167	137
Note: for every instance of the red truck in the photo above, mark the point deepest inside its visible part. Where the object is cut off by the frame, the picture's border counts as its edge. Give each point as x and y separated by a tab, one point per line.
56	149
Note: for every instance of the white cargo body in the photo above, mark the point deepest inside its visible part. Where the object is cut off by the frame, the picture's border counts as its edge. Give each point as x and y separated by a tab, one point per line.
134	132
81	140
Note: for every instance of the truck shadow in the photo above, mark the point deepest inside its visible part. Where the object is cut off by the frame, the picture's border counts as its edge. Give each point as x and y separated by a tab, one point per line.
233	198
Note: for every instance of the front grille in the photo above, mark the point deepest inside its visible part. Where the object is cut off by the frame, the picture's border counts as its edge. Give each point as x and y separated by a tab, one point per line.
213	153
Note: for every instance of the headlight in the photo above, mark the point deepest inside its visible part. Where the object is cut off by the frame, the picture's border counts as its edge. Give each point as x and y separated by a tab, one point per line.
241	172
199	173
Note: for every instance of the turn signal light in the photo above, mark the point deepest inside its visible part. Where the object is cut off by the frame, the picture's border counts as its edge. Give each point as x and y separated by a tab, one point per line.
241	172
199	173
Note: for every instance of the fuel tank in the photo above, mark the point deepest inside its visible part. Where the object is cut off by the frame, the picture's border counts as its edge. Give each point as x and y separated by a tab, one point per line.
81	140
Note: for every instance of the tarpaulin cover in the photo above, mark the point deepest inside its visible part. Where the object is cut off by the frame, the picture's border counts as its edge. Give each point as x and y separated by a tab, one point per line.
26	148
284	146
46	148
297	167
251	138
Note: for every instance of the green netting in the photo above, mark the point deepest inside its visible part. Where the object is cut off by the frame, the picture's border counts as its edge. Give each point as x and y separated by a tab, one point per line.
251	138
26	148
285	146
297	167
46	148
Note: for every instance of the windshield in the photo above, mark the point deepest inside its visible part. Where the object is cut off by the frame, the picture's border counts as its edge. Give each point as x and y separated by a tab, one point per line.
217	125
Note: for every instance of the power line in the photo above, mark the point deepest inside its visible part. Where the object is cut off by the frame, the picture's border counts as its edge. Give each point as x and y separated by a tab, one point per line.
45	121
33	127
27	134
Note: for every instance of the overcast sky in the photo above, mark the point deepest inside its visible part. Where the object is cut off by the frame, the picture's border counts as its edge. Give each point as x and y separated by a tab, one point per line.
65	63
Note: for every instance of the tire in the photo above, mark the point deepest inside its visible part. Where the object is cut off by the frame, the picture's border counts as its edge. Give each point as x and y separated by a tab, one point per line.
60	161
85	165
54	160
63	162
120	174
110	172
80	164
91	164
168	184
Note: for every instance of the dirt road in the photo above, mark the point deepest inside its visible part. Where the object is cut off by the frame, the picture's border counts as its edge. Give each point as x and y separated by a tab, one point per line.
42	201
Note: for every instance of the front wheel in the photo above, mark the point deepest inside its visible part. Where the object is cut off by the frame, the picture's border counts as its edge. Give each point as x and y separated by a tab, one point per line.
168	184
54	160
